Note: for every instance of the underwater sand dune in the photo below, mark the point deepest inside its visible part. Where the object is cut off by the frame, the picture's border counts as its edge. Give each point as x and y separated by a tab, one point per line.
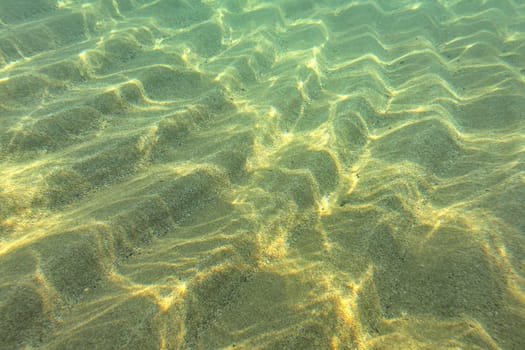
262	175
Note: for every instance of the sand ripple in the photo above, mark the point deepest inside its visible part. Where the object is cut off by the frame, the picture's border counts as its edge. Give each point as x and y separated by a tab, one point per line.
262	175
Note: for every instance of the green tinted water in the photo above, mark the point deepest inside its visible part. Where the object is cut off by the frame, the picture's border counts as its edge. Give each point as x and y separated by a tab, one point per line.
262	174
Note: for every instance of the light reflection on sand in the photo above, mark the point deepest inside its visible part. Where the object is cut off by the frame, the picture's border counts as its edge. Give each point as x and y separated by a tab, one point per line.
239	175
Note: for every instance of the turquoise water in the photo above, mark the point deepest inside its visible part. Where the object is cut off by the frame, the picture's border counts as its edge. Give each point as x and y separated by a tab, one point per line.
262	174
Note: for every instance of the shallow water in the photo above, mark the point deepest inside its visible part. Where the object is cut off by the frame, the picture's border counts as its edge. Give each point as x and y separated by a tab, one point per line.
241	174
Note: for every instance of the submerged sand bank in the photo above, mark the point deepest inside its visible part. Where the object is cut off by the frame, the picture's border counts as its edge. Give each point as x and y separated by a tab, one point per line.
279	175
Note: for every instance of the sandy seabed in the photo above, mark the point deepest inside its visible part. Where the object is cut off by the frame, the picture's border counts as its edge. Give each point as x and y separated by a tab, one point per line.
240	174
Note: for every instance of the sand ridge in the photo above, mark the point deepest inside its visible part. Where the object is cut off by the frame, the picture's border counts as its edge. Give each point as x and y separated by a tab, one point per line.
271	175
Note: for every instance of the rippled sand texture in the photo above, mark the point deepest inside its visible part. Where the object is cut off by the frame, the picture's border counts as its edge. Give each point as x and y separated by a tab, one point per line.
293	174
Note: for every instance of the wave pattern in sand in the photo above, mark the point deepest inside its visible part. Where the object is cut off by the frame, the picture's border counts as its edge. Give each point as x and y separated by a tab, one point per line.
290	174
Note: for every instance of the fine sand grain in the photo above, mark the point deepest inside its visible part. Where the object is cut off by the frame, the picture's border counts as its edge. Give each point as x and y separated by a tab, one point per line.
238	174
